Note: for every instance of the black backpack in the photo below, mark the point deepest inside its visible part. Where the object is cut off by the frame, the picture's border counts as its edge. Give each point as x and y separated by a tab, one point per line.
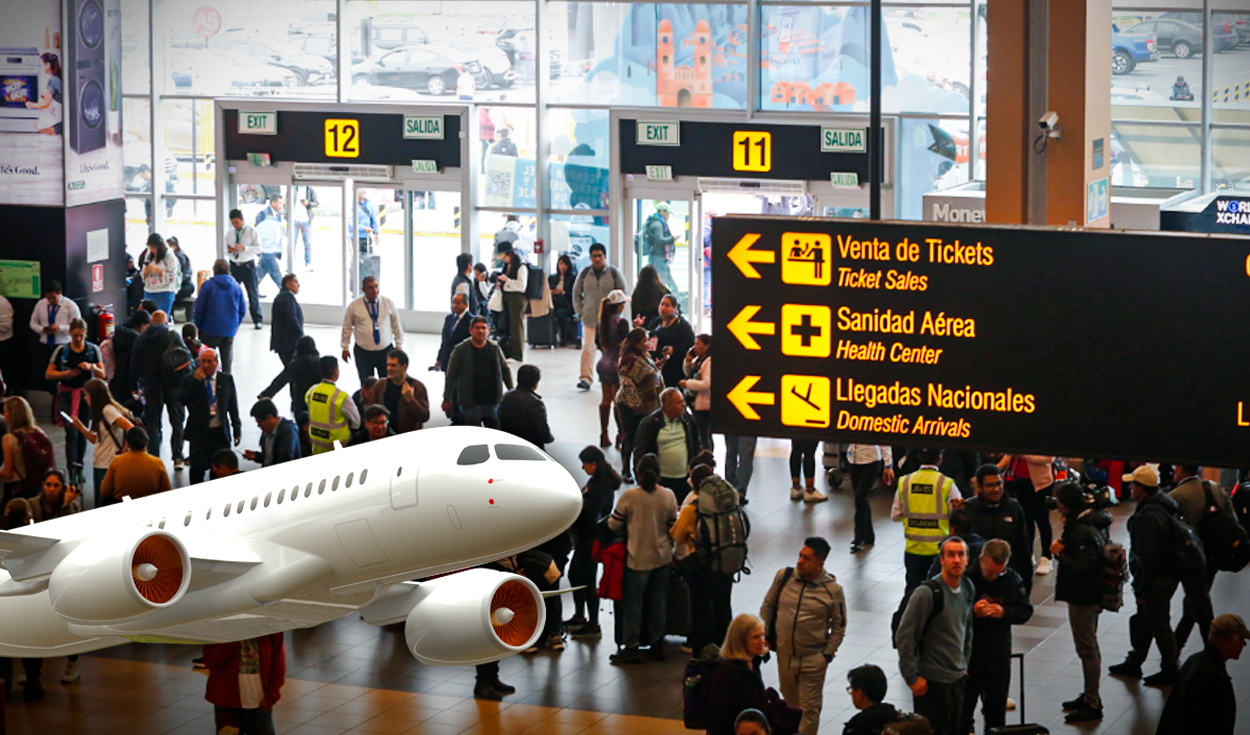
696	691
1223	537
939	601
176	364
1188	558
534	284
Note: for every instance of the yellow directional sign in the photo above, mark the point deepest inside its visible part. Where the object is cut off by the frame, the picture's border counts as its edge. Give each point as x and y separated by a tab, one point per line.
805	401
806	330
744	257
806	258
753	150
342	138
742	327
742	397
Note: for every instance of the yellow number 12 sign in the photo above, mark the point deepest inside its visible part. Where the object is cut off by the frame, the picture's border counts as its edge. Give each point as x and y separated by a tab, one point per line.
342	138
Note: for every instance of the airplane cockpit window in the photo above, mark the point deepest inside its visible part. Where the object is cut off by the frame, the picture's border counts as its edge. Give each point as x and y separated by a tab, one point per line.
476	454
517	451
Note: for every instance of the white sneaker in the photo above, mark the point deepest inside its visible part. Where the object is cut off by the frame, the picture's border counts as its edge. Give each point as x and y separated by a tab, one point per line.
796	493
1043	567
814	496
71	673
1011	704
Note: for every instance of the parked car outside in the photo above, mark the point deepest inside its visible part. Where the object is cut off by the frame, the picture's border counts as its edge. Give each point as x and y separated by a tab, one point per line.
497	69
1181	38
1225	23
1130	49
415	67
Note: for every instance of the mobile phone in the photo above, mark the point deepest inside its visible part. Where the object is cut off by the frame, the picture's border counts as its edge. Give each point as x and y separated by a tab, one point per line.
67	417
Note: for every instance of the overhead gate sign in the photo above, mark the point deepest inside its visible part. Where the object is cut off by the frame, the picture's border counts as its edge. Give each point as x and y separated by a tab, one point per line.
1087	344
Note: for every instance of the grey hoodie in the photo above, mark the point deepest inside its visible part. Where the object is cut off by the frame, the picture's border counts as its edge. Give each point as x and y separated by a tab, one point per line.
811	616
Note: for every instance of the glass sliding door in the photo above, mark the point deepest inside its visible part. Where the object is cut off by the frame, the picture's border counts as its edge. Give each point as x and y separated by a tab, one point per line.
660	236
435	222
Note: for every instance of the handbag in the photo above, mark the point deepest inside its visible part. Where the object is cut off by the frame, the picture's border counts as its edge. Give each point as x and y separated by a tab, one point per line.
783	718
495	302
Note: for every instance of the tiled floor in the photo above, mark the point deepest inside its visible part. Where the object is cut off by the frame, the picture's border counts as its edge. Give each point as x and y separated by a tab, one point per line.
347	676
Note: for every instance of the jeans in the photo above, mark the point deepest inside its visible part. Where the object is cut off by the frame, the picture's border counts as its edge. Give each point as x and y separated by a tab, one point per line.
177	419
487	416
246	721
863	480
710	608
803	456
245	274
153	401
269	267
703	422
582	573
990	682
660	263
644	589
303	231
942	705
1084	622
1152	622
225	350
739	462
371	362
802	682
75	442
164	300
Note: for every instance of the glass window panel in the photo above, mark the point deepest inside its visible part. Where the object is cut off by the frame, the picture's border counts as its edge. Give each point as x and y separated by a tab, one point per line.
573	234
189	146
480	50
494	228
1231	90
930	58
645	54
933	155
137	147
318	244
436	241
981	61
136	51
1155	155
251	54
1158	58
579	159
508	175
1230	158
194	221
138	209
382	252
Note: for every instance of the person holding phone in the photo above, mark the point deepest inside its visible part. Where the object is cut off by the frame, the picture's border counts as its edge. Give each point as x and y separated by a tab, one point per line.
72	365
109	423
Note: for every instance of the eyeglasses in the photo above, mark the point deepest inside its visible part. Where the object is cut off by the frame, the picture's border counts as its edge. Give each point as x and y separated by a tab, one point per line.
850	690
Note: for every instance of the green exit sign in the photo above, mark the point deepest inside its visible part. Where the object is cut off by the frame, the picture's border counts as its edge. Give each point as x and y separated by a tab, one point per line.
843	140
423	128
425	167
659	133
844	180
659	173
258	123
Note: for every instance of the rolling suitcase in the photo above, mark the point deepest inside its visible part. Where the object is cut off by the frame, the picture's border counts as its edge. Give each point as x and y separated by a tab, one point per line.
540	331
1022	728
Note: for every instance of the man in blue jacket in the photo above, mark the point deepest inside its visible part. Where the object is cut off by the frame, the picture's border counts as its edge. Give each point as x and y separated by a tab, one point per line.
219	310
279	439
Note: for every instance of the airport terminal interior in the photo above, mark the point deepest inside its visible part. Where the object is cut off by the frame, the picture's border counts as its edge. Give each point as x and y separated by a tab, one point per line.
546	103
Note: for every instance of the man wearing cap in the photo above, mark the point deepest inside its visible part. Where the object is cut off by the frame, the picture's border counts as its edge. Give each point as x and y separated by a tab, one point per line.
657	244
1203	698
593	284
1154	583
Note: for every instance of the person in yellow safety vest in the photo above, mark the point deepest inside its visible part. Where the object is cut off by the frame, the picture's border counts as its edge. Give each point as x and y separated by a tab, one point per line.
923	503
331	412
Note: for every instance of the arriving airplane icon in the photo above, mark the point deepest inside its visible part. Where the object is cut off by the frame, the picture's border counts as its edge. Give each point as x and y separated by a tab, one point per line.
300	544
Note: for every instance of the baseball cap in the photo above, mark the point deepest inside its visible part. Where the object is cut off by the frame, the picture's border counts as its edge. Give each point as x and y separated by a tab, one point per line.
1144	475
1229	624
617	296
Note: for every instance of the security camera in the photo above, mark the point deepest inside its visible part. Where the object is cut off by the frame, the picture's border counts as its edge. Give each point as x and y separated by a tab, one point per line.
1049	121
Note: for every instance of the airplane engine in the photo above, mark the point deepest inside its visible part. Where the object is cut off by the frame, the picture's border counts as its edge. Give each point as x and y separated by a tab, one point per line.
474	617
117	577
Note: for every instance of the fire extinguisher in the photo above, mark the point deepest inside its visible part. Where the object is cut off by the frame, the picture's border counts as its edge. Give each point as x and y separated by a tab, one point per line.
105	322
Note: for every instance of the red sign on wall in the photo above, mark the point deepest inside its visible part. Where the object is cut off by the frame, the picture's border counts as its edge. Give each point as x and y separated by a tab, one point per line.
97	278
206	21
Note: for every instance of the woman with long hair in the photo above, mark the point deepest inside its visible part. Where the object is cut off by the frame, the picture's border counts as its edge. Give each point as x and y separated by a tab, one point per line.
596	505
49	121
638	394
71	366
22	430
646	512
698	368
561	283
161	274
611	329
514	280
736	683
647	294
109	423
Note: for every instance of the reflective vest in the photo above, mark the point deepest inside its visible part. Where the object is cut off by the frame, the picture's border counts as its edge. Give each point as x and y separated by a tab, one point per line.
924	499
327	422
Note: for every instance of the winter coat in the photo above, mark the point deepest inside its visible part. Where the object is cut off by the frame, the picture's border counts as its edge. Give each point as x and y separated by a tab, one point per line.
593	287
1005	521
1150	534
871	720
991	637
220	308
736	686
1203	694
810	616
1078	578
522	414
612	557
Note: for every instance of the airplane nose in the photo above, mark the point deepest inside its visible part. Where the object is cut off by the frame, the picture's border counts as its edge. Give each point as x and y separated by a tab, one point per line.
562	496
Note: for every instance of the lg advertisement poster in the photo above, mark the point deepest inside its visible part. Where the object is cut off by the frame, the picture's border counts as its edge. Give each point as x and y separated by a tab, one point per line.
60	104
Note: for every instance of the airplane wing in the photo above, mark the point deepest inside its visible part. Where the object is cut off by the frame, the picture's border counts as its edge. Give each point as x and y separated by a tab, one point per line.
22	544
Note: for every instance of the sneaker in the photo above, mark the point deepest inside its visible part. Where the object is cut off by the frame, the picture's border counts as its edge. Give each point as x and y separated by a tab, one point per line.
583	384
814	496
626	477
1011	704
1074	704
1043	567
198	663
258	326
487	693
502	688
856	547
1126	669
576	621
556	642
628	655
531	649
796	493
71	673
588	631
1084	714
179	464
1165	678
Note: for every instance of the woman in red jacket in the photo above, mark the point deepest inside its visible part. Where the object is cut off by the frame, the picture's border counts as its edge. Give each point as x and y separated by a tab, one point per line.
245	682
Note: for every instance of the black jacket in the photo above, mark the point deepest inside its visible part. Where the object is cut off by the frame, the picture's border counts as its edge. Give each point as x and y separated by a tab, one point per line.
736	686
453	334
1005	521
195	397
1150	533
145	358
522	414
123	350
1078	578
302	373
872	720
597	501
1203	694
280	446
649	430
562	300
991	637
286	323
475	294
680	336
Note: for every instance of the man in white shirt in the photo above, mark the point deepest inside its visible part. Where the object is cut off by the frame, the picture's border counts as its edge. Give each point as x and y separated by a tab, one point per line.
243	251
50	320
368	318
869	463
271	226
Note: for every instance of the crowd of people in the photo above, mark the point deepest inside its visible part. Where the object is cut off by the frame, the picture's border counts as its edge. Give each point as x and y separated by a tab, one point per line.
977	528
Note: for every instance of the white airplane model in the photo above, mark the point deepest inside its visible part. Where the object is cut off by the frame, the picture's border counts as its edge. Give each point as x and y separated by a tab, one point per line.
300	544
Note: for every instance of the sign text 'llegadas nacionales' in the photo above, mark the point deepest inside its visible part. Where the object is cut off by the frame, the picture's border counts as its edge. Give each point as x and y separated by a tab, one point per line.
1087	344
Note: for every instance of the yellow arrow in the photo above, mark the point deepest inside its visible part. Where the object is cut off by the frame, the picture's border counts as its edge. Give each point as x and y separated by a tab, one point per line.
742	397
742	327
743	256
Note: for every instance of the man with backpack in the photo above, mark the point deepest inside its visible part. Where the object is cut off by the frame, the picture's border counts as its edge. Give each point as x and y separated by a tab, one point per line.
934	640
805	612
1201	502
1158	558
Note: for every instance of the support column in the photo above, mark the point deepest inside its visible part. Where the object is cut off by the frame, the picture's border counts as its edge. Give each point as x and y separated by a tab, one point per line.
1008	130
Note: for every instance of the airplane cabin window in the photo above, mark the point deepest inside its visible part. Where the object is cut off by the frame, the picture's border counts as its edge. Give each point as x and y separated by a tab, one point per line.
363	474
335	486
187	521
321	488
209	515
255	500
399	472
517	451
281	495
268	497
348	482
240	508
308	490
475	454
162	523
226	513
